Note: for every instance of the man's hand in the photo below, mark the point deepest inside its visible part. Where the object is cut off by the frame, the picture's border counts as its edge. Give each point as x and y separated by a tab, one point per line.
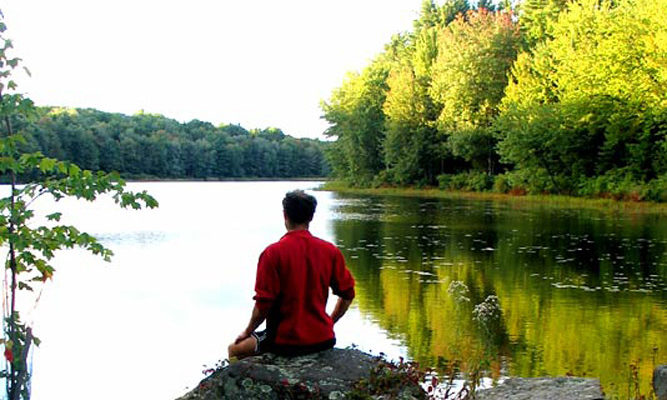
243	336
258	316
341	307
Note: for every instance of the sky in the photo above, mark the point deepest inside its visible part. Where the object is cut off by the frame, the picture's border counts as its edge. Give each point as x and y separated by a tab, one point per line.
261	63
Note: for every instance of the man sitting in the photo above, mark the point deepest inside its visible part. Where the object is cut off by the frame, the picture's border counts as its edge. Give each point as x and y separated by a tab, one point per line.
292	287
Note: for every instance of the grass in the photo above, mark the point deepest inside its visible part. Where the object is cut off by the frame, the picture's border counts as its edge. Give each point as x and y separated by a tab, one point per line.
555	200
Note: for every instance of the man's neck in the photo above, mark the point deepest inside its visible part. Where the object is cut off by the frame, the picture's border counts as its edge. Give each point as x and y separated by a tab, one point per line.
298	227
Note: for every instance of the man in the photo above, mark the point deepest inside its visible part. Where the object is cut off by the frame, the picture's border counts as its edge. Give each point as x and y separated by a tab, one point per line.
292	287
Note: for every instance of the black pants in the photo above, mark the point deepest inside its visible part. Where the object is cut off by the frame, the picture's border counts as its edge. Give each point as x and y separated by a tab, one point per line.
266	344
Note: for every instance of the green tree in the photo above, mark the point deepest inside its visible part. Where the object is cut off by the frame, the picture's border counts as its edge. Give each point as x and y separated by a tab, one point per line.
597	91
429	16
236	160
111	158
485	5
357	121
131	154
451	9
147	144
475	54
174	160
537	18
410	146
156	154
287	153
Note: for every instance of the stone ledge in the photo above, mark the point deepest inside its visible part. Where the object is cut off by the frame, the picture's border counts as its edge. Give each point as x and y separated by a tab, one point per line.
328	374
660	382
332	374
544	389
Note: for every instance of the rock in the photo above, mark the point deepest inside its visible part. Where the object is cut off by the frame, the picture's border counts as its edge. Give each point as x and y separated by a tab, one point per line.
660	382
329	374
544	389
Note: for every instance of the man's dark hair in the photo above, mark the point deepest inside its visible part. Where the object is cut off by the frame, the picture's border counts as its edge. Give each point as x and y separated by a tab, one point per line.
299	206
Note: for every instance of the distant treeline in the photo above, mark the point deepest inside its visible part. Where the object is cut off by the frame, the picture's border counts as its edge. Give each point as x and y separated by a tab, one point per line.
554	96
148	145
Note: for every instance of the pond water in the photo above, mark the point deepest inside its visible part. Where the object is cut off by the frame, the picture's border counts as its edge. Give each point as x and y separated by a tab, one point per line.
580	292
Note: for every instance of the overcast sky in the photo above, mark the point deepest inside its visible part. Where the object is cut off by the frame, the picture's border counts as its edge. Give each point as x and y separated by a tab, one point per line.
259	63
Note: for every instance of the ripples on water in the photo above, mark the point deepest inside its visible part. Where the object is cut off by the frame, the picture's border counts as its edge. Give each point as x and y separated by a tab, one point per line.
582	291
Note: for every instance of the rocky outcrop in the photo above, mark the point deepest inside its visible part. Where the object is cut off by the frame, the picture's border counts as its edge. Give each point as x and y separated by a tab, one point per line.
660	382
330	374
544	389
349	373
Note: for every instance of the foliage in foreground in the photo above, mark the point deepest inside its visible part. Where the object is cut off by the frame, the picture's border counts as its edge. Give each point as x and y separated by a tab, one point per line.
31	248
31	244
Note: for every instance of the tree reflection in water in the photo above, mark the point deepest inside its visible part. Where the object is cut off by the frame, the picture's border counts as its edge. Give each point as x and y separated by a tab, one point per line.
580	292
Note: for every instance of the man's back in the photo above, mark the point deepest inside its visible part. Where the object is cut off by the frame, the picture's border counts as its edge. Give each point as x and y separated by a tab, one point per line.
293	280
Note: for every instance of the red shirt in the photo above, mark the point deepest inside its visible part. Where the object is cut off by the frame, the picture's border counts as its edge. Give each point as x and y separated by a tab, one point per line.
293	280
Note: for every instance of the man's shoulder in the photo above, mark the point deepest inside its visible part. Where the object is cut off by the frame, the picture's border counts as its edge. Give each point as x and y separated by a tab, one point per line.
287	241
325	244
272	247
322	241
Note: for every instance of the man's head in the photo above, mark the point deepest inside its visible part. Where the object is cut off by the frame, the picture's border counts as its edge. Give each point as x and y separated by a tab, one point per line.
298	208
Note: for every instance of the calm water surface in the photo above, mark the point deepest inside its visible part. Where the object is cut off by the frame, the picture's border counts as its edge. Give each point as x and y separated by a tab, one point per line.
581	292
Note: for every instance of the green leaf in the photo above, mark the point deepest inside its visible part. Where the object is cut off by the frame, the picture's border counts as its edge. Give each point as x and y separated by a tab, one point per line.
54	217
47	164
73	170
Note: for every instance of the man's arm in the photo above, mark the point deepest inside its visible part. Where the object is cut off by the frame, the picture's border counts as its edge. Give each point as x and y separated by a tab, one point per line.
341	307
258	316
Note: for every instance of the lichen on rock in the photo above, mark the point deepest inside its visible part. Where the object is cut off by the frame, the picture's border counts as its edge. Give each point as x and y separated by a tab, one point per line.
330	374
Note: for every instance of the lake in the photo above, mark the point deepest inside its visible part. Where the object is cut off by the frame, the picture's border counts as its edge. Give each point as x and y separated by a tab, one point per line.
580	292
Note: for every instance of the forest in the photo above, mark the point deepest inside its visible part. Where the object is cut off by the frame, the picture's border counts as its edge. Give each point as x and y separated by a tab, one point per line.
153	146
547	97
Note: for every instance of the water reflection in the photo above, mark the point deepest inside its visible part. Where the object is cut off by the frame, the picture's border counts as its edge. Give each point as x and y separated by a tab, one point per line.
581	292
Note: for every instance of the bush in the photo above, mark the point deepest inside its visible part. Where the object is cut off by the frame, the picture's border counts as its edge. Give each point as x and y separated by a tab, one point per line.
392	380
468	181
444	181
381	179
617	184
656	189
536	181
502	183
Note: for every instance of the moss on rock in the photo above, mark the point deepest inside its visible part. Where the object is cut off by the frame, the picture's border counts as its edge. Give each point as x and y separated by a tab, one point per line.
330	374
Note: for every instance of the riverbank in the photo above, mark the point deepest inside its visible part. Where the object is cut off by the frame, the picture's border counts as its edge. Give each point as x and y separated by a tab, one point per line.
548	200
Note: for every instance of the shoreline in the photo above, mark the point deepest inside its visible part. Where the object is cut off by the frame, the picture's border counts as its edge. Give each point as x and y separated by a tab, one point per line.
610	205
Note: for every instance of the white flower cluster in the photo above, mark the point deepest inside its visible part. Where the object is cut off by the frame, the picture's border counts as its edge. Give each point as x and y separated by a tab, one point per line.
487	311
459	291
